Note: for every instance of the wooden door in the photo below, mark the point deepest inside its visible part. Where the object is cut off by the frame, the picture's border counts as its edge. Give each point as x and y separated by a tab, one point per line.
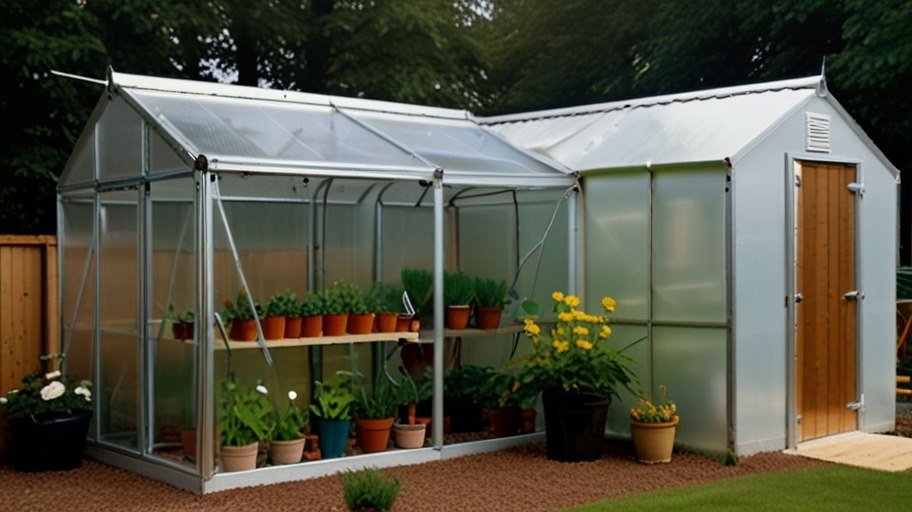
825	250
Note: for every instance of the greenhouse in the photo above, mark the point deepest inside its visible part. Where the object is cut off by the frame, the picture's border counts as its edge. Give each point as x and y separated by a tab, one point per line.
185	201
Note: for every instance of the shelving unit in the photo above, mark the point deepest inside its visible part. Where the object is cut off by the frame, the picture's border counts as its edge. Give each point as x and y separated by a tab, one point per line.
408	337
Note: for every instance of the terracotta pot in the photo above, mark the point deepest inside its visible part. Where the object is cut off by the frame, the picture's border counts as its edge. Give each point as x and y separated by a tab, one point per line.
312	326
527	425
286	452
373	435
402	323
488	318
653	442
335	325
188	441
360	323
423	420
188	331
293	327
243	330
178	331
504	421
457	317
386	322
409	436
274	327
239	458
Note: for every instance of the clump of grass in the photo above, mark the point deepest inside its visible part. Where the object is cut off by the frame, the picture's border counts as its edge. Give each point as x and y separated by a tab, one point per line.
368	490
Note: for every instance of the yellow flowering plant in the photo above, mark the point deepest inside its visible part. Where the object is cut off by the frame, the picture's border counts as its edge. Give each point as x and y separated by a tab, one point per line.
647	412
575	355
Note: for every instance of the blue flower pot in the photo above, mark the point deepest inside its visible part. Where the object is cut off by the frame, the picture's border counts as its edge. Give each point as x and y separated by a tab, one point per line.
333	437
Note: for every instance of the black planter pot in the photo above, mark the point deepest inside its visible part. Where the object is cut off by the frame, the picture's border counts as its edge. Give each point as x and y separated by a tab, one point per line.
466	415
574	424
50	441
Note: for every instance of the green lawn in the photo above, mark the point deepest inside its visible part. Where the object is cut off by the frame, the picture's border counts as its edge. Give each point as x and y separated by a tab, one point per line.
830	489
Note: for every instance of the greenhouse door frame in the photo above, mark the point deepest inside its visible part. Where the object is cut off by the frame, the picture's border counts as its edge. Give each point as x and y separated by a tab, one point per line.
793	297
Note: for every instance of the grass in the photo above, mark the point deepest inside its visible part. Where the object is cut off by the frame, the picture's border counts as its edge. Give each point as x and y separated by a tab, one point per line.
830	489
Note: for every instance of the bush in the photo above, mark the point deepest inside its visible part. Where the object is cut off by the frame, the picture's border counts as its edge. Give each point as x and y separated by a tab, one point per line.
369	490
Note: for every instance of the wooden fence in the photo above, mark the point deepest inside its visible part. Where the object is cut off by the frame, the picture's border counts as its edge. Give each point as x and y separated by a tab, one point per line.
29	320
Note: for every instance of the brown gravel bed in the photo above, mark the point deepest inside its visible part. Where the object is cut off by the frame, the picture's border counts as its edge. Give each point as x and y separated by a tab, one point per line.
520	479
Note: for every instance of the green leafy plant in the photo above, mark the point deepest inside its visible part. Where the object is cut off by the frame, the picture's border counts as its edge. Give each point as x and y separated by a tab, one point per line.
490	293
314	304
343	297
576	356
378	404
245	415
283	304
497	389
384	298
368	490
333	399
419	284
185	317
240	308
46	393
647	412
458	289
413	390
464	381
288	425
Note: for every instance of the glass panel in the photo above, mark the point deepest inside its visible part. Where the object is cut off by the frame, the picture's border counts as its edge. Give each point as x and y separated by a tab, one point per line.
633	337
689	246
692	364
455	145
161	157
172	326
81	165
347	242
292	132
408	241
617	242
120	141
119	387
78	337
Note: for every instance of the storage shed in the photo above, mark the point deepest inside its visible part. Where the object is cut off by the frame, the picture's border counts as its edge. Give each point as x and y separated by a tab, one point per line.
749	235
181	193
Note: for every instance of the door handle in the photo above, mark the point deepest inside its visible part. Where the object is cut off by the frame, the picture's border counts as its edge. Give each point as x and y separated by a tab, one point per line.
798	298
853	296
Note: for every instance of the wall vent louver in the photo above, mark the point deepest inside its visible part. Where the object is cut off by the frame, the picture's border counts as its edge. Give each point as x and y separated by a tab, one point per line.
817	130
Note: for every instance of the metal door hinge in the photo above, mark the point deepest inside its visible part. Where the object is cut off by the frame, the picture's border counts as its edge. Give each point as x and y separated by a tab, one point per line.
797	180
857	405
853	296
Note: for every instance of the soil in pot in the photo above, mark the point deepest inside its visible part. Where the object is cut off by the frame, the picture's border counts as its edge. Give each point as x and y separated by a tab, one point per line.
653	442
52	441
457	317
409	436
386	322
574	424
373	435
488	318
243	330
274	327
293	327
239	458
504	421
335	325
360	323
286	452
312	326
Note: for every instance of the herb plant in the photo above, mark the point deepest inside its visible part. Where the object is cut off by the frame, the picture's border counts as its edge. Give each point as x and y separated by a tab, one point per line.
378	404
384	298
288	425
240	308
368	490
313	305
419	284
490	293
458	289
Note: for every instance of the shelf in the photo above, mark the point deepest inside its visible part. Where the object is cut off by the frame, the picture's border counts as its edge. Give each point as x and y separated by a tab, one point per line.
411	337
427	336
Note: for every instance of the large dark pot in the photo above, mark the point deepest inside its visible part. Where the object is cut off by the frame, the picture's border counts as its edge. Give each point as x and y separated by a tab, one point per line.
466	415
53	441
574	424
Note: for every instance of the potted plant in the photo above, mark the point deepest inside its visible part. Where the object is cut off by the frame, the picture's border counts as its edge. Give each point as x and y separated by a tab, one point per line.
274	322
293	319
368	491
578	373
419	285
335	309
495	395
332	404
460	387
458	292
181	323
411	432
360	316
287	443
244	420
386	301
49	418
374	416
653	429
242	318
312	309
490	299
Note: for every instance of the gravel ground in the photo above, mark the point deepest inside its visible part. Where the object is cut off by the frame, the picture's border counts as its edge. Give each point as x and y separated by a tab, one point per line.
520	479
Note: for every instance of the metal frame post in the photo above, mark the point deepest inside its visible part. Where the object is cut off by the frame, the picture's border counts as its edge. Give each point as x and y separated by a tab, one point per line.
573	240
437	415
205	405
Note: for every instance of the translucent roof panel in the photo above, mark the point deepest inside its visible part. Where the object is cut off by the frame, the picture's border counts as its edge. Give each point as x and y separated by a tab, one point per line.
690	130
256	130
457	146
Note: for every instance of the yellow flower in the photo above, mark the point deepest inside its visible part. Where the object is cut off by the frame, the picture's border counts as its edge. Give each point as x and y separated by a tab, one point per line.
584	344
566	317
606	331
533	329
515	386
572	301
561	346
582	331
557	296
577	315
560	331
608	303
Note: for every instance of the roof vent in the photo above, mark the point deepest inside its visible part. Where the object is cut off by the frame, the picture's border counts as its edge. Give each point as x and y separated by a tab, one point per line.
817	129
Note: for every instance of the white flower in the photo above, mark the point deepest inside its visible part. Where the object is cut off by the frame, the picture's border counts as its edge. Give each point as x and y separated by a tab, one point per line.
13	391
52	375
52	390
3	400
292	395
88	398
82	391
262	389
